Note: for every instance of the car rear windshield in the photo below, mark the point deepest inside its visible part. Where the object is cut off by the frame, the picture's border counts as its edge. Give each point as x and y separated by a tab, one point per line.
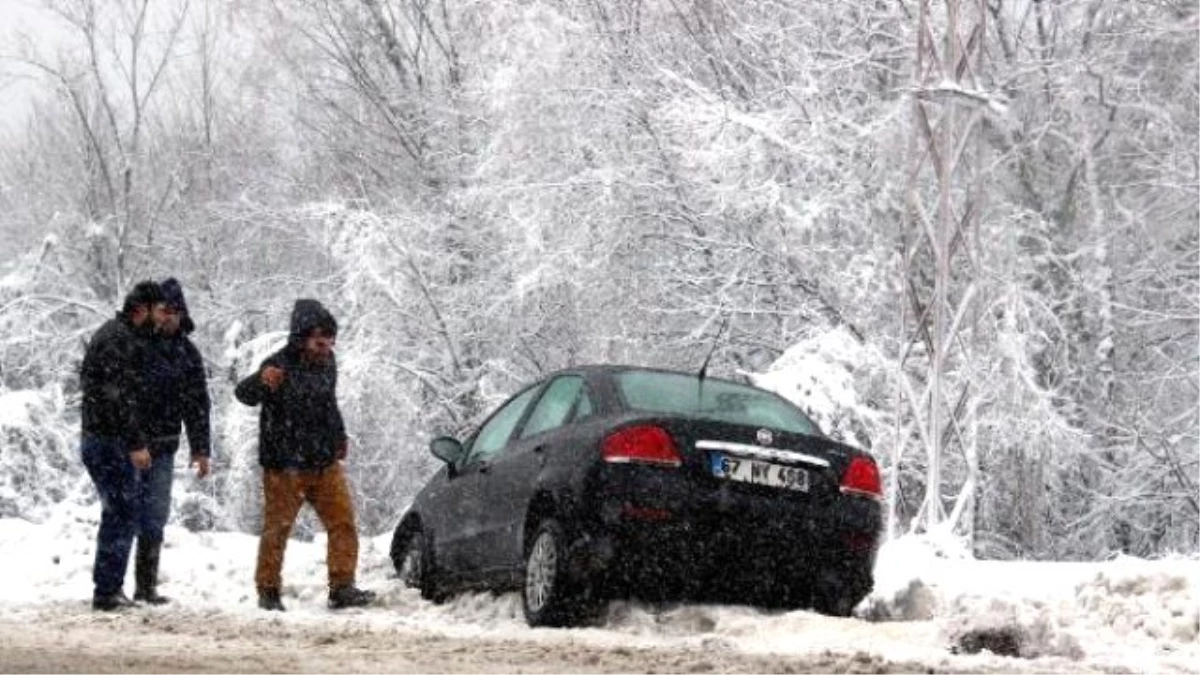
716	400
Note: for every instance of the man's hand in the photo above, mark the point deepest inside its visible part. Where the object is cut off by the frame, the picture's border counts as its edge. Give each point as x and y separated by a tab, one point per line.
202	465
140	459
341	450
272	377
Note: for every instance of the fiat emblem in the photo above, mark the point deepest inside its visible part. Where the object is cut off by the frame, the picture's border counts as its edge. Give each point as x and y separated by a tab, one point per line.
764	437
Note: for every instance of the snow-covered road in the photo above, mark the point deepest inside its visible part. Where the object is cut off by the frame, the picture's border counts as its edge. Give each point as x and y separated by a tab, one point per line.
63	637
931	602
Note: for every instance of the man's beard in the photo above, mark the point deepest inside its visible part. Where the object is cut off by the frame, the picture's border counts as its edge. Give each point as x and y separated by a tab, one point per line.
146	329
319	358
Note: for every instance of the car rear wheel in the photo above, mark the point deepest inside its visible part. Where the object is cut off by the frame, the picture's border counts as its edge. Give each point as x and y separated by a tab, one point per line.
549	596
834	596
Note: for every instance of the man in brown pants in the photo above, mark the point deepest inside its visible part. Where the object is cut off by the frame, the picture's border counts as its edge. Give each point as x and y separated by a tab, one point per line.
302	442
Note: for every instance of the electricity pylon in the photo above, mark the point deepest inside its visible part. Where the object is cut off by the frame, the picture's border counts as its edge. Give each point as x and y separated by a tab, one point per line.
943	206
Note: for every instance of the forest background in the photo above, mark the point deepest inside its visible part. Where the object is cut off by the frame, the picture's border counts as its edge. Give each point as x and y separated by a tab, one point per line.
484	191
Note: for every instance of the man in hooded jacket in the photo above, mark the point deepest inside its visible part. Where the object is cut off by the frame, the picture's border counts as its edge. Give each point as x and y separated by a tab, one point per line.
301	444
114	437
178	386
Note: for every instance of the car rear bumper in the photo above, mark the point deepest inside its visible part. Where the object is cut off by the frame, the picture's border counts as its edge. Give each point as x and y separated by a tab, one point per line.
658	538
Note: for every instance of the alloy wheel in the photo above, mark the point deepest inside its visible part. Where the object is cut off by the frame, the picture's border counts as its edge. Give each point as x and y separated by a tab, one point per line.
540	572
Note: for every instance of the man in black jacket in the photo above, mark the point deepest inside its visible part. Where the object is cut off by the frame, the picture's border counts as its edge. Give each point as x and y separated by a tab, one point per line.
301	444
114	438
178	386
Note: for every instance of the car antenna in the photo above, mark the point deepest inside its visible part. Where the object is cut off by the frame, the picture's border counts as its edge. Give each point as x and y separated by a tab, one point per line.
713	349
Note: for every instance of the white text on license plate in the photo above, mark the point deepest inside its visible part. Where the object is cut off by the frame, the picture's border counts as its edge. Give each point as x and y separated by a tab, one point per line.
758	472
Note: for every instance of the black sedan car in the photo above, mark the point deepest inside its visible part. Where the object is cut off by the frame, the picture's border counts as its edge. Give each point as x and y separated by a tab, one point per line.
612	481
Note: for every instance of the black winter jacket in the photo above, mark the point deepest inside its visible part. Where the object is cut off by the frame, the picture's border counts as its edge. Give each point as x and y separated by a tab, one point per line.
178	385
113	383
300	425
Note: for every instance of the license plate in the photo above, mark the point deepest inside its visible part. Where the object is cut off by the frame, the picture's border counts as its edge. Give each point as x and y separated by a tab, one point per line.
758	472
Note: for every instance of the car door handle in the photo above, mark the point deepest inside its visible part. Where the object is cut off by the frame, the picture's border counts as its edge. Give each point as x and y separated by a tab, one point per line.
484	467
539	449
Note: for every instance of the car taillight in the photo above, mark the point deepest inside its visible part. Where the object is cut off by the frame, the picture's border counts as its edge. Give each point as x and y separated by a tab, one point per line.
862	478
641	445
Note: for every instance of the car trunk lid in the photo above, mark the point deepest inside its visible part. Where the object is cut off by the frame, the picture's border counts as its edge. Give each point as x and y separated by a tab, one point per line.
756	460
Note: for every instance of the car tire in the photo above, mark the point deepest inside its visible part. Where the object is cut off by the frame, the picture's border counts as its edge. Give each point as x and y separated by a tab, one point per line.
549	596
832	597
414	564
792	594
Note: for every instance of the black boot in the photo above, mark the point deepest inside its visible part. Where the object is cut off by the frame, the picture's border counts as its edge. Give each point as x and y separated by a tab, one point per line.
349	596
145	572
112	603
268	599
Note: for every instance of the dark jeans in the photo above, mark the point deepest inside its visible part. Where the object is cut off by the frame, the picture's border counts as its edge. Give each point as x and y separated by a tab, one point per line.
155	497
119	485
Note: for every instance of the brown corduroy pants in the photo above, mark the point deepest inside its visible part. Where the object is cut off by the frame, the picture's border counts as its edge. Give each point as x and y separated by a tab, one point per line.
284	492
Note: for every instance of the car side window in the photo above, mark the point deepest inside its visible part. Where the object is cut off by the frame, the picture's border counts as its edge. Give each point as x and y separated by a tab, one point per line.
554	406
584	408
494	434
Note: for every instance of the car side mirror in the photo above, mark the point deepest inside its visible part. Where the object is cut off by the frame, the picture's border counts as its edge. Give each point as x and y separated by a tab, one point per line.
447	449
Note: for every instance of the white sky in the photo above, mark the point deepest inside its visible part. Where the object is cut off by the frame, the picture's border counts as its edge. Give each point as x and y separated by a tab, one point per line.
21	20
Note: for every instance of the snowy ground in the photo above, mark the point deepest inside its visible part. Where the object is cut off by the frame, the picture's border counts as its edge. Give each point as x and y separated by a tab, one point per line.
931	606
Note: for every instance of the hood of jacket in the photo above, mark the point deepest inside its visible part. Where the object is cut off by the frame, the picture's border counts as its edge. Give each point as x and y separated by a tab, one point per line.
172	292
307	315
143	293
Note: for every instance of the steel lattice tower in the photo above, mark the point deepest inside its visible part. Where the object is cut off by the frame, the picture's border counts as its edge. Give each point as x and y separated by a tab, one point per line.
943	204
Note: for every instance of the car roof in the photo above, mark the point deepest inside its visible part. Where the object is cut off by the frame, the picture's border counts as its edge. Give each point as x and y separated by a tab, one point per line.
615	368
